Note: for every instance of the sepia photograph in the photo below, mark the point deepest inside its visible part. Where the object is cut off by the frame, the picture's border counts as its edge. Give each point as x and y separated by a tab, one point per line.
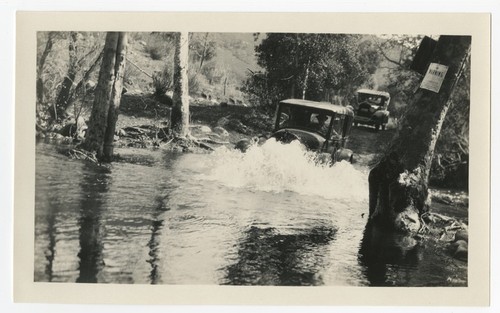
223	157
251	159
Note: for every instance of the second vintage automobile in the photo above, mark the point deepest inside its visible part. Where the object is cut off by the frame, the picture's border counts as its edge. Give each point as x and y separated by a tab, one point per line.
320	126
372	108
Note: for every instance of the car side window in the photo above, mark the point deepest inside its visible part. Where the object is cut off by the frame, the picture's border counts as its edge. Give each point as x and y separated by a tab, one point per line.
320	122
338	121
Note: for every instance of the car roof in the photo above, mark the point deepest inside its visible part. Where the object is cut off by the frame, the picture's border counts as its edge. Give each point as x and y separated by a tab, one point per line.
374	92
335	108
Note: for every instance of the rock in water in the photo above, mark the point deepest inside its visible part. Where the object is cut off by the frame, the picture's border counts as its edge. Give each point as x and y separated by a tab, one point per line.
462	235
221	131
244	144
462	250
459	249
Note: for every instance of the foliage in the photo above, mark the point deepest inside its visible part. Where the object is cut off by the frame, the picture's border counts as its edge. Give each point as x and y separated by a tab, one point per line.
159	45
163	80
53	68
311	66
193	82
201	49
397	52
213	73
260	92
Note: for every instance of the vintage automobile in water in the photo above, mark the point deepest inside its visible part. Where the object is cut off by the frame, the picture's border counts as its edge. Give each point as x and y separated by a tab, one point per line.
320	126
372	108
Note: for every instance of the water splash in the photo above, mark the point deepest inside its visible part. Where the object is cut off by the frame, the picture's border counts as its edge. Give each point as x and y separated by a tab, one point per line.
277	167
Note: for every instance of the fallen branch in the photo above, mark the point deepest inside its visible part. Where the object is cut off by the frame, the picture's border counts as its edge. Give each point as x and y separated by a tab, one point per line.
140	69
211	141
441	217
203	145
82	155
168	142
423	225
198	143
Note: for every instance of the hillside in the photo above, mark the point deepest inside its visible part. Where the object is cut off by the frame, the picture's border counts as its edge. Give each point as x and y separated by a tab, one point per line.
221	75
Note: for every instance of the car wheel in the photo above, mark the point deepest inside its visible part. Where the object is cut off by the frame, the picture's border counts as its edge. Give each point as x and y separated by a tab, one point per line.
355	124
377	127
383	126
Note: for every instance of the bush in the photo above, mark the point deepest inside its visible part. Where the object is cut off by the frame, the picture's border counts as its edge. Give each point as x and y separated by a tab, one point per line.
162	81
194	83
155	51
158	46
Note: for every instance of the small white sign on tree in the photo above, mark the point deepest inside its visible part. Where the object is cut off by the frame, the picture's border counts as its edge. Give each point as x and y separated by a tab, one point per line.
434	77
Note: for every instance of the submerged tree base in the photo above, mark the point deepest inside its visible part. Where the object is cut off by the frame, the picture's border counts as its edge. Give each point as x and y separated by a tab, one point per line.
397	198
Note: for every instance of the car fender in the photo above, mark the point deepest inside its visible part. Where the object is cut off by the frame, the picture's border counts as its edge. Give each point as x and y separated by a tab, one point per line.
382	116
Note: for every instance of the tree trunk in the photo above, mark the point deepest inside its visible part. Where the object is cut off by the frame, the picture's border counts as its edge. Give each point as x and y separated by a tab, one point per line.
306	78
114	105
108	93
69	79
180	109
398	184
205	44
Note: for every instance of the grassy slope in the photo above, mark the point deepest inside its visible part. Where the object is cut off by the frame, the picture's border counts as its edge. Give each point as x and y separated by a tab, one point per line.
234	54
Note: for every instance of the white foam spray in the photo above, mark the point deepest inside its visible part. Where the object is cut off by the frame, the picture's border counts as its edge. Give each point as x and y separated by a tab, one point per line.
277	167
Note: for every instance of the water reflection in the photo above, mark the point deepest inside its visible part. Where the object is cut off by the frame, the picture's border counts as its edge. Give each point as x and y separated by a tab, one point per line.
94	185
154	242
50	253
268	257
153	246
388	258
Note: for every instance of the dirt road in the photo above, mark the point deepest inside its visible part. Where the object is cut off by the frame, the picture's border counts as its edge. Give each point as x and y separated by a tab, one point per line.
367	143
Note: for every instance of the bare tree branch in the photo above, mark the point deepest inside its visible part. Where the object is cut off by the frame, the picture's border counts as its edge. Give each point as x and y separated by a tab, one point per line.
140	69
382	52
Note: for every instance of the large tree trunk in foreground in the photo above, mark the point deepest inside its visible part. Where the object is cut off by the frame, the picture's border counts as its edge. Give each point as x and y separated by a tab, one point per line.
180	109
399	182
108	93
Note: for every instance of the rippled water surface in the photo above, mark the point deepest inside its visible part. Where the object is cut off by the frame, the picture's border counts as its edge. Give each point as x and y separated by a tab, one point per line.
271	216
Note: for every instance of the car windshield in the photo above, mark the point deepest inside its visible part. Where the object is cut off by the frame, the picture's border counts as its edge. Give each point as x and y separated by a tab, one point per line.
371	99
309	119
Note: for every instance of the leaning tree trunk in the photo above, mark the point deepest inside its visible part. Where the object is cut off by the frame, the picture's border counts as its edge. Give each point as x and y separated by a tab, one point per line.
108	93
398	184
180	109
203	54
80	88
69	79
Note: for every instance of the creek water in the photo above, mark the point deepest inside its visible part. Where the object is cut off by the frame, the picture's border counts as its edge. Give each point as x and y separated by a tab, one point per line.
271	216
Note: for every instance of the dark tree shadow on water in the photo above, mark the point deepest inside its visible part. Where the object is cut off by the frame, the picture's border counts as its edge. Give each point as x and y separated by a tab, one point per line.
154	246
94	185
266	257
51	231
388	257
